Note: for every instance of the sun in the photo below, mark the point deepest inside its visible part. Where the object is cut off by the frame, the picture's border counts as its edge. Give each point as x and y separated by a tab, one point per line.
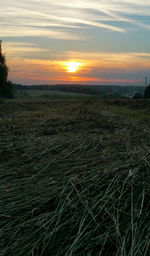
72	66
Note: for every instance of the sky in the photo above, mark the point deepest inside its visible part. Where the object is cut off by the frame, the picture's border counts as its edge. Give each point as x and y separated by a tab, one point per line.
76	41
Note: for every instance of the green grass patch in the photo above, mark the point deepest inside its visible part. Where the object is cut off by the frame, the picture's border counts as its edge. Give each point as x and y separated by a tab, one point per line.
49	94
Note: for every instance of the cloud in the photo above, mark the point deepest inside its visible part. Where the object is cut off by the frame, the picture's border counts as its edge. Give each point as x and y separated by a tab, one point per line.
63	19
110	60
31	32
115	10
14	50
97	67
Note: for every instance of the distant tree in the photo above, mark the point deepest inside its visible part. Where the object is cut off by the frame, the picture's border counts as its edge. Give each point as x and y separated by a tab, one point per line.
137	95
147	92
6	89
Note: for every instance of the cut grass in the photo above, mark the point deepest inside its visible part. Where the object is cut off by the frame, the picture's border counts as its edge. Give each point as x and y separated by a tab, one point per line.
82	189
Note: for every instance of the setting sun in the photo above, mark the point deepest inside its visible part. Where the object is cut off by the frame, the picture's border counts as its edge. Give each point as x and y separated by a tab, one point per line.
72	66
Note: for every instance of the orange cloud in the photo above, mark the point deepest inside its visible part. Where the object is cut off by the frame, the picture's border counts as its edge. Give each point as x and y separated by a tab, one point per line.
94	66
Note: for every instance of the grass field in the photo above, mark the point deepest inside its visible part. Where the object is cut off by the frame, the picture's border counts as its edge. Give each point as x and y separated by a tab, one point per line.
49	94
75	177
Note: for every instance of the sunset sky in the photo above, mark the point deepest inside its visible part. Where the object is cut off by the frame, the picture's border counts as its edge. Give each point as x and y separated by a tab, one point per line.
76	41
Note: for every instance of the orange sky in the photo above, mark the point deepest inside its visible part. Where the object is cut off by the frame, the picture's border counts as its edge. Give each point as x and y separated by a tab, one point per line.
98	67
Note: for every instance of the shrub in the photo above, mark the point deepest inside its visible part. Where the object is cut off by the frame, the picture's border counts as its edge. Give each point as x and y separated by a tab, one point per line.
147	92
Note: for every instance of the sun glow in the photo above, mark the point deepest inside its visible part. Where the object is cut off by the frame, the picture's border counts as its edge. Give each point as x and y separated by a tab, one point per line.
72	66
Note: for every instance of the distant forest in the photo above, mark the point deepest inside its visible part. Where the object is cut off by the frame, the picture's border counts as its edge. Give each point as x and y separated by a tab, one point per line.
86	89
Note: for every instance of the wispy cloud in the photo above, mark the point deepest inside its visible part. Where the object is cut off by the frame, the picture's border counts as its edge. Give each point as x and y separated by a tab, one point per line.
25	31
114	10
36	18
14	50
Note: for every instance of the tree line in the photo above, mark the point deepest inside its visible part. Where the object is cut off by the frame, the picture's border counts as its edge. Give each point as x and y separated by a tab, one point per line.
146	94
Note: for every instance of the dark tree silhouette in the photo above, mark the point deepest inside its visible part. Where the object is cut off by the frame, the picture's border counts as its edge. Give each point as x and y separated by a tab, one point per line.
137	95
147	92
6	90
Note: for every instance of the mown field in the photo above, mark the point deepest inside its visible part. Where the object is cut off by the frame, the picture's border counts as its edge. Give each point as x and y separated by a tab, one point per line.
75	177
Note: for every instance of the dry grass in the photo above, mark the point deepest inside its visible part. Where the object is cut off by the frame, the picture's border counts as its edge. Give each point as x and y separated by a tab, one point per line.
75	180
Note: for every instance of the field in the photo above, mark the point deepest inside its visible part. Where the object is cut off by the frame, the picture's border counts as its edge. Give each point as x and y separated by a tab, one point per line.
49	94
75	177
